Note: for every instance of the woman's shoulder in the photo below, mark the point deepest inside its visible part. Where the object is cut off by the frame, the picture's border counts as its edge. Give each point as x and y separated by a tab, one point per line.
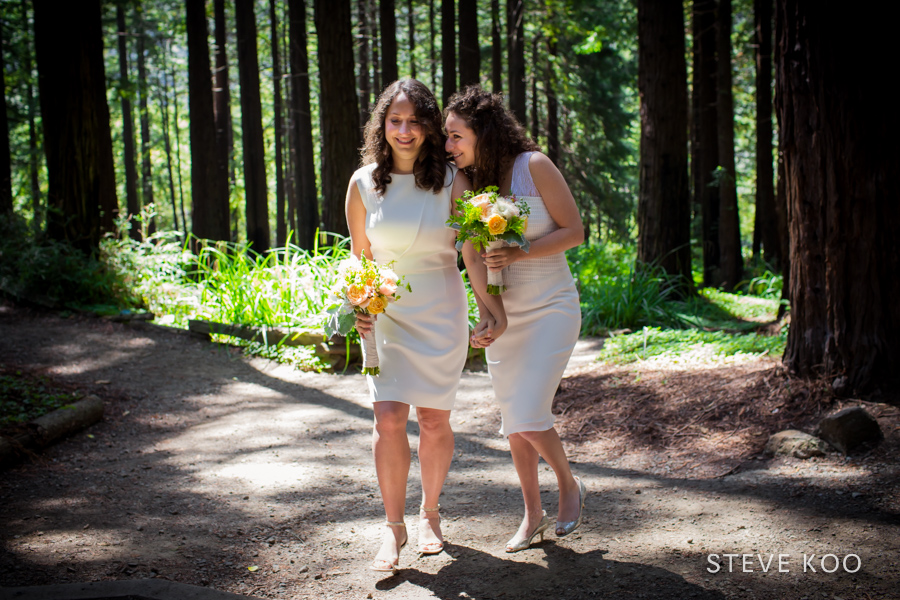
364	172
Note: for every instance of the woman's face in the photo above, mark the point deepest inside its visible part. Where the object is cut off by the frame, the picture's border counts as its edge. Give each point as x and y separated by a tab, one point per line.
460	141
403	132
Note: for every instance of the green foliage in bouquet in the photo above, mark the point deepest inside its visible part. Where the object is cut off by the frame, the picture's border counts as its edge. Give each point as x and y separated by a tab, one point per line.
486	216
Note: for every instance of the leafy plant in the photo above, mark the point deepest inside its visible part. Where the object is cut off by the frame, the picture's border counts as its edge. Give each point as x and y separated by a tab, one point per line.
677	344
23	399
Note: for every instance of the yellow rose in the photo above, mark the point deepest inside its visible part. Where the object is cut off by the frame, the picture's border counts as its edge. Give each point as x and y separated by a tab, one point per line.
377	305
496	225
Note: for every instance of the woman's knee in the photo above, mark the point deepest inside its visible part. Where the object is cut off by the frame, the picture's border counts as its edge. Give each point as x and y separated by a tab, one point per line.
391	417
432	420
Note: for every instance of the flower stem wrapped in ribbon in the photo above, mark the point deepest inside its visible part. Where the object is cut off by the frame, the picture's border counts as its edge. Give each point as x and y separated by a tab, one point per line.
362	287
490	221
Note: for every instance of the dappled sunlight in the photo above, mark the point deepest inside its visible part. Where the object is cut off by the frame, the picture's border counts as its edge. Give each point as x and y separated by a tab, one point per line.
262	474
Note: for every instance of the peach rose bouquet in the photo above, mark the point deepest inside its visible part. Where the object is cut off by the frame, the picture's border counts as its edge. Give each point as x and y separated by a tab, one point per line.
363	286
490	221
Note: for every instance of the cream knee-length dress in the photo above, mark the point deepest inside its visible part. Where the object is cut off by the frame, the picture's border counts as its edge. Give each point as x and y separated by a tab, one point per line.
422	338
526	363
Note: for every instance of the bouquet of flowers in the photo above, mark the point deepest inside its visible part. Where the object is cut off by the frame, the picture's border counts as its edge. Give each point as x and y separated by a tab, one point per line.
490	221
362	287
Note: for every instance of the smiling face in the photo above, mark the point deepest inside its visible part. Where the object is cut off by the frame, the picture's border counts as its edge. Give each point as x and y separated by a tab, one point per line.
403	133
461	141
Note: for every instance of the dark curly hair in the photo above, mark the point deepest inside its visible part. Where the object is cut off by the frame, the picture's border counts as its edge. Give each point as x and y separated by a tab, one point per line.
499	136
431	165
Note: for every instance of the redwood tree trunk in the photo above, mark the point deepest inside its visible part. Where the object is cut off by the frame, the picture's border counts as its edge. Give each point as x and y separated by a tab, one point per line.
731	261
388	22
209	185
496	48
469	50
515	47
664	199
552	107
766	218
843	195
131	195
144	109
448	49
365	87
301	117
77	141
255	189
278	109
706	149
6	197
340	133
33	156
411	26
222	100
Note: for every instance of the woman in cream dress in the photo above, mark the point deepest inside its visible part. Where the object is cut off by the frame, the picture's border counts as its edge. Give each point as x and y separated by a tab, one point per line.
397	206
530	330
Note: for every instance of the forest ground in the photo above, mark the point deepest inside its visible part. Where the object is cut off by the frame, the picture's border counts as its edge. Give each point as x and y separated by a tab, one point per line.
208	462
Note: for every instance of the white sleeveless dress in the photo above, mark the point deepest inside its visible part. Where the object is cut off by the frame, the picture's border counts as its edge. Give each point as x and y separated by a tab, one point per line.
527	362
423	337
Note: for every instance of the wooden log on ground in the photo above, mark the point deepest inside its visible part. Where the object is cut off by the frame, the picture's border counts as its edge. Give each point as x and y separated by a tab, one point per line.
50	428
274	336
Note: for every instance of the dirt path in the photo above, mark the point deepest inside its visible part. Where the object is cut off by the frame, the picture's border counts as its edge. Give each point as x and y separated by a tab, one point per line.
208	463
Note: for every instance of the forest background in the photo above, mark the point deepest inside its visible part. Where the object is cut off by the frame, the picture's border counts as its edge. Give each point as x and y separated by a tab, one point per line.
134	127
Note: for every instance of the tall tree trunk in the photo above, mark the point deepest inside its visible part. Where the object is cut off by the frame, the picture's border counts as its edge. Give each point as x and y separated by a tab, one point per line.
432	55
365	88
278	109
664	198
731	260
376	44
77	141
843	196
33	157
765	177
552	106
388	22
255	189
209	184
535	116
173	73
6	197
163	93
340	135
143	88
301	115
515	48
469	50
448	49
411	26
290	170
131	194
496	48
706	149
222	101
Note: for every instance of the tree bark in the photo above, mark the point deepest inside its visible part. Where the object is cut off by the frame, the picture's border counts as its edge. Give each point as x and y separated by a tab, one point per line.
388	23
173	72
365	88
167	138
448	49
731	261
222	101
469	50
340	135
552	105
143	88
663	199
33	157
432	58
496	48
255	189
131	194
301	115
6	197
278	109
766	220
209	184
515	49
77	141
843	195
706	148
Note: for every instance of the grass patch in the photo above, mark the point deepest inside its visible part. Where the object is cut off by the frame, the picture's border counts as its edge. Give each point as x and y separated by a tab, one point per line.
688	345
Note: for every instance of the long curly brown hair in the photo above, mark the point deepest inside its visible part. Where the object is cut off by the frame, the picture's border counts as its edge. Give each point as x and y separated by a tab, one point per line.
431	165
499	136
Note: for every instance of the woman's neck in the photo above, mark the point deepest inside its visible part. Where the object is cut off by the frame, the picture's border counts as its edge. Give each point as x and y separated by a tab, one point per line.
403	166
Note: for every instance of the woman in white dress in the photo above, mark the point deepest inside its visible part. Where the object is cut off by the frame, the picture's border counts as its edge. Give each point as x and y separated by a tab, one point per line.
530	330
397	206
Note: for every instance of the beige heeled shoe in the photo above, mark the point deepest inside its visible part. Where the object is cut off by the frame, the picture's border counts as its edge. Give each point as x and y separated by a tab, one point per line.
514	545
381	564
564	528
425	516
